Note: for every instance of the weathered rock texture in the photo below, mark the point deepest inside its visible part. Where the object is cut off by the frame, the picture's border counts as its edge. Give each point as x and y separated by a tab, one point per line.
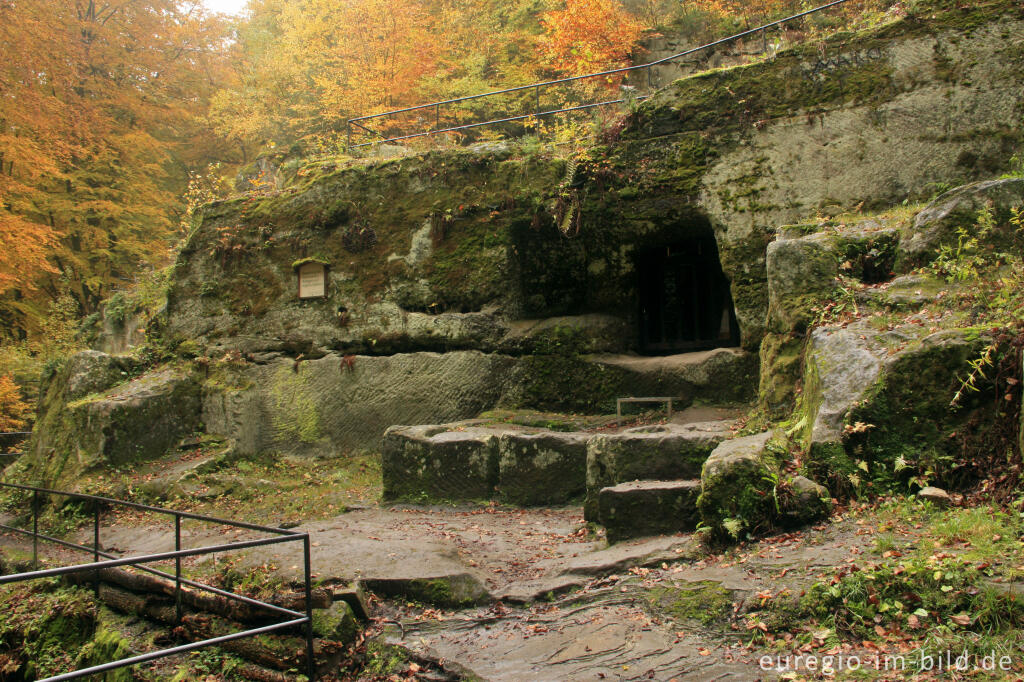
542	468
93	414
436	462
641	508
738	485
878	402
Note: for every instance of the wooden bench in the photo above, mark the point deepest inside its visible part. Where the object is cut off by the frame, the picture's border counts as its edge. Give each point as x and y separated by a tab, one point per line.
619	402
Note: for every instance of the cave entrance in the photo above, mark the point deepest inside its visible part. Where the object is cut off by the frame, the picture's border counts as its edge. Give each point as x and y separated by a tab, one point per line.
685	301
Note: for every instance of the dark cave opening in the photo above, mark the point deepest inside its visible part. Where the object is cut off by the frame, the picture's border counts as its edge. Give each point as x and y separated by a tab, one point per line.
685	303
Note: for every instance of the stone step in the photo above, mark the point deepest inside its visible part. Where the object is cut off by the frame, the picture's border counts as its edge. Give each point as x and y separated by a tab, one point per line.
662	452
643	508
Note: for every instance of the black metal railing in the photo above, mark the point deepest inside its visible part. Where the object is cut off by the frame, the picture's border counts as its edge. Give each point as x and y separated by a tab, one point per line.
10	439
296	619
536	88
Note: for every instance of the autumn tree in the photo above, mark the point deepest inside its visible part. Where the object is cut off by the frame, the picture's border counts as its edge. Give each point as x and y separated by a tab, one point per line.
751	12
100	120
588	36
312	64
14	412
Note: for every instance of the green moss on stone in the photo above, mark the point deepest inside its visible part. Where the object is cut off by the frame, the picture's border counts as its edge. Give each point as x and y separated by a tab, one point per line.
295	415
781	370
706	602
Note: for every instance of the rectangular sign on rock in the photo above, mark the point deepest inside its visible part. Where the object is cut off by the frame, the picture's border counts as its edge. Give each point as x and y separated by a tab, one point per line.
312	280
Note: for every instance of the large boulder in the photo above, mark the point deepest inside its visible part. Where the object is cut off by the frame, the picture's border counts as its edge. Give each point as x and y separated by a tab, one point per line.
437	462
87	419
877	404
542	468
739	482
657	452
937	224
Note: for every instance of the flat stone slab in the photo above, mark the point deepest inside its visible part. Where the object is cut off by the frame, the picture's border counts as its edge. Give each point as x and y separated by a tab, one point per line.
611	637
577	570
644	508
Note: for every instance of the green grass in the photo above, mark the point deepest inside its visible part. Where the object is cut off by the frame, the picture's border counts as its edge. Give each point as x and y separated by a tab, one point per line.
937	580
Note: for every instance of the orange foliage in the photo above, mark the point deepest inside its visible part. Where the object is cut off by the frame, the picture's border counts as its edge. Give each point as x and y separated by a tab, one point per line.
99	120
13	410
589	35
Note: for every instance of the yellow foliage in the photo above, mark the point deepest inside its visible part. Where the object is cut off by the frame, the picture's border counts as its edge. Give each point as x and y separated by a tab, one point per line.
14	411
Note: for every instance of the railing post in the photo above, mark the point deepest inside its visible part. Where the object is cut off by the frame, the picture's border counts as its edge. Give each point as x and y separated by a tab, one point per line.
310	662
348	136
35	529
177	568
96	546
650	81
536	92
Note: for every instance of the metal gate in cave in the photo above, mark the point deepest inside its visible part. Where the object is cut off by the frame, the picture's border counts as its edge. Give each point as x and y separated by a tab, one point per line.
685	301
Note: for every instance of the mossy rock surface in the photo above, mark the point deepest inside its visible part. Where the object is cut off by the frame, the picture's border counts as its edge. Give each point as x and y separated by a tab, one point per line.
937	224
877	405
801	274
542	468
126	422
337	623
738	485
439	463
449	591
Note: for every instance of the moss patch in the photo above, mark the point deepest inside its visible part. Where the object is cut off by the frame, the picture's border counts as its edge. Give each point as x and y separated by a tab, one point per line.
295	415
706	602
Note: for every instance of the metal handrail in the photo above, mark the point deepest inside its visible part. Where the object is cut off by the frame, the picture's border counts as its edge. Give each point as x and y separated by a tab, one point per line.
537	86
283	535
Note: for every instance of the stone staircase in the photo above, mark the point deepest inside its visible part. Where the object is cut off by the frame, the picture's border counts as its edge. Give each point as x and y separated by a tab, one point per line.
646	480
637	482
659	479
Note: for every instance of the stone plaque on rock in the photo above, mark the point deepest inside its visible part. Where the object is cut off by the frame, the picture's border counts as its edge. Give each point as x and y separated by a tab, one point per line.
312	280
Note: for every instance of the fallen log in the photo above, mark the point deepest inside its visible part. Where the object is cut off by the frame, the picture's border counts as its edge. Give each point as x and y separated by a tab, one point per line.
200	600
273	652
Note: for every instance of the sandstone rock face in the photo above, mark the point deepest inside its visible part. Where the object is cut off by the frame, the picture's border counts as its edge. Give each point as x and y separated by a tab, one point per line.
452	250
642	508
542	468
663	452
738	484
937	224
438	463
329	405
